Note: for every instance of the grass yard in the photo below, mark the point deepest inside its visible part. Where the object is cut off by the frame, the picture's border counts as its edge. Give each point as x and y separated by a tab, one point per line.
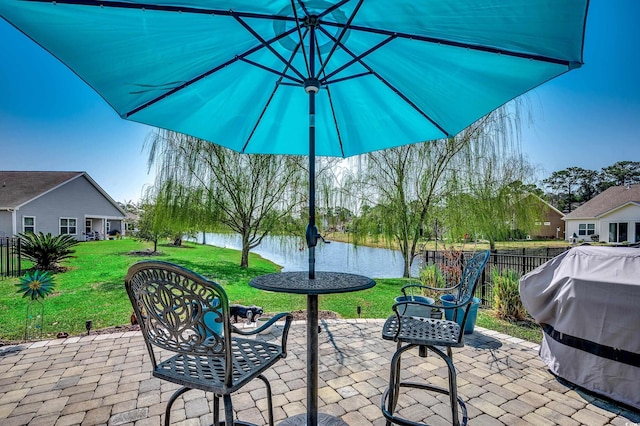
93	289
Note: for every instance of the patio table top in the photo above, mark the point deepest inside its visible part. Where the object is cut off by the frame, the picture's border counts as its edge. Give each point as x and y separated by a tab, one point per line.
105	379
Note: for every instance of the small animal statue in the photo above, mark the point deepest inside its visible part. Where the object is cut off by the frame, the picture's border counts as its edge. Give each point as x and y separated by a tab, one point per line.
249	312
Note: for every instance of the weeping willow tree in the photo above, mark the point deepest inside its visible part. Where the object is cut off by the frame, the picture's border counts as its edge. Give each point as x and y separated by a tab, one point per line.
410	186
404	186
487	186
335	188
185	210
200	184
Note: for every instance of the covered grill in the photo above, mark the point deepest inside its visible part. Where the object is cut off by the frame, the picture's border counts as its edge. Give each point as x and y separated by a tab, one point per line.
588	303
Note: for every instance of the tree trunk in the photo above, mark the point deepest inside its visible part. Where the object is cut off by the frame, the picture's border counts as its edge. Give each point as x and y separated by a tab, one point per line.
407	269
244	260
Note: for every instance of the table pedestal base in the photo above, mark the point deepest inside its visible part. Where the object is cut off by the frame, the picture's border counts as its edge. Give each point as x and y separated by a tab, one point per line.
323	419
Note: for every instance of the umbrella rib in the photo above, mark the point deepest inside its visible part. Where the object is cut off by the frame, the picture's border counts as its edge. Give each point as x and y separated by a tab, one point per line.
452	43
343	32
333	111
357	58
335	121
201	76
389	85
268	45
165	8
332	8
350	77
295	15
271	70
266	105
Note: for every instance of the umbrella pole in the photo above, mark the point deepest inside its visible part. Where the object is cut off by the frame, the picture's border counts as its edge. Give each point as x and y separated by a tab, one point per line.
312	86
312	299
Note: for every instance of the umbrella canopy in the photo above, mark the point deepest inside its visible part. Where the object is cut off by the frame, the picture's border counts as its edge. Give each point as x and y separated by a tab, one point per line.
308	77
388	73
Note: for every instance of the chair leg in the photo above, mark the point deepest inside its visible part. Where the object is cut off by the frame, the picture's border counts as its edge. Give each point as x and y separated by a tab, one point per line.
394	379
269	399
453	387
167	412
392	392
216	410
228	410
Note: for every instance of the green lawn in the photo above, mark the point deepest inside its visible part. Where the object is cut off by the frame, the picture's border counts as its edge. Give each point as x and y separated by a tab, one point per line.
92	289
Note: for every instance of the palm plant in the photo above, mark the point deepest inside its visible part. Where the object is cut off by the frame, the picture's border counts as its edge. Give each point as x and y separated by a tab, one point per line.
46	251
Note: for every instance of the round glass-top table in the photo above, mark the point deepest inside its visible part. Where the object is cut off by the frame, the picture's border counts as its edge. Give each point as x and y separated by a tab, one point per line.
323	283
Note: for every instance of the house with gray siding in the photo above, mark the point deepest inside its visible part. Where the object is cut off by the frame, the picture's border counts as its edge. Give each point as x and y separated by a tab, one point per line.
57	202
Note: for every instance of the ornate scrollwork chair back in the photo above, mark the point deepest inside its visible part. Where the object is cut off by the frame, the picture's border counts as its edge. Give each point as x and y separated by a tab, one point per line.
184	319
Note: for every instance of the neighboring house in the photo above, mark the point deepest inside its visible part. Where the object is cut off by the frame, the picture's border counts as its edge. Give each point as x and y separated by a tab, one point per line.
57	202
551	224
613	215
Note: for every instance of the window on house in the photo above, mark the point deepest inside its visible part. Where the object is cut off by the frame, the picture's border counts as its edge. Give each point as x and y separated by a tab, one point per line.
618	232
586	229
68	226
637	232
29	224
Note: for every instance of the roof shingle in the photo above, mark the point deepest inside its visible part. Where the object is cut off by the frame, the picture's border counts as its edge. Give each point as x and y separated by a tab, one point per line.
18	187
611	198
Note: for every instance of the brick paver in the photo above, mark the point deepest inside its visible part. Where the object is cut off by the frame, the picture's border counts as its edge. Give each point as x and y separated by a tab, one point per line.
106	379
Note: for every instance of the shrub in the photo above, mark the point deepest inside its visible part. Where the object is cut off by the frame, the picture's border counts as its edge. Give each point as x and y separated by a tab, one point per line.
452	265
46	251
431	276
506	295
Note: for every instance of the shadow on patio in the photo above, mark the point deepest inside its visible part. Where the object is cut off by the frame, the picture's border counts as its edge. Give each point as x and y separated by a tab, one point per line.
106	380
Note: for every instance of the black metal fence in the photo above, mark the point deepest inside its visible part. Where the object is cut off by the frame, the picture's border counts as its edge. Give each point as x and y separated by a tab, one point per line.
10	261
521	261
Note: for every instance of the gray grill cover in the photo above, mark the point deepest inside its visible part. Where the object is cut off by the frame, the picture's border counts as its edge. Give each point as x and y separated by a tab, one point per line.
590	296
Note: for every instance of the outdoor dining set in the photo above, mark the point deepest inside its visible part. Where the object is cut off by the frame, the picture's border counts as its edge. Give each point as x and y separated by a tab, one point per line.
191	341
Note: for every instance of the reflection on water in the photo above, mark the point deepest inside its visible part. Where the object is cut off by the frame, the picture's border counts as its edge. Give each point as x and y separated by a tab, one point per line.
292	254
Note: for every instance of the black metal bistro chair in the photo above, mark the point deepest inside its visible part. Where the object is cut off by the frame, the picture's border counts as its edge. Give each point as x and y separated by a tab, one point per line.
184	319
429	333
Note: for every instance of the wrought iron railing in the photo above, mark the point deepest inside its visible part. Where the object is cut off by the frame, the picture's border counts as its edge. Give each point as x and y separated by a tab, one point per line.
521	261
10	260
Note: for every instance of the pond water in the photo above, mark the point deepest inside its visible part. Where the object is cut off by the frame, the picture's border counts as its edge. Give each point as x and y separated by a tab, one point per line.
291	253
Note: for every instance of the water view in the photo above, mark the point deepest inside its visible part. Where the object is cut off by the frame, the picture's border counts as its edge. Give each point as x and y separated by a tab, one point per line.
292	254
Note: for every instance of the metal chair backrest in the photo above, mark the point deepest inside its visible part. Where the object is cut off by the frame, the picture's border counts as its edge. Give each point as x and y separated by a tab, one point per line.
180	311
471	277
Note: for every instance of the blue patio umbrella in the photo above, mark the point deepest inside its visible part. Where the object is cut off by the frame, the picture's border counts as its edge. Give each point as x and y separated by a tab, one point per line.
308	77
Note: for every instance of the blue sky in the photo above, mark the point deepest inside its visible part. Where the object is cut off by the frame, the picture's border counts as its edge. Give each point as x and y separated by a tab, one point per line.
50	120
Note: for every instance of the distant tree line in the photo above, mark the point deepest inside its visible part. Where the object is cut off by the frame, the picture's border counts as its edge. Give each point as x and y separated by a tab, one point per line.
575	185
